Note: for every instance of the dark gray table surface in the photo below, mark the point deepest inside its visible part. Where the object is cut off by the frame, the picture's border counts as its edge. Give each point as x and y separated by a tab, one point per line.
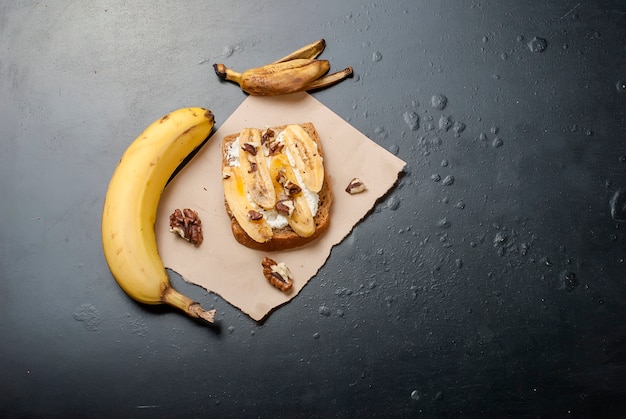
490	281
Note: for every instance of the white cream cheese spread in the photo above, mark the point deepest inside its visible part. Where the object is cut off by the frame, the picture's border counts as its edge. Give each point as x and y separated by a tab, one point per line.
272	217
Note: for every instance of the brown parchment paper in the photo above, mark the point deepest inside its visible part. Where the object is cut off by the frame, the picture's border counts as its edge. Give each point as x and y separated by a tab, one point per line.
223	266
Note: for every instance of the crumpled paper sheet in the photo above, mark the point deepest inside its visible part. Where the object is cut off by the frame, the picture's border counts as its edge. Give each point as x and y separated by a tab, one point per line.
223	266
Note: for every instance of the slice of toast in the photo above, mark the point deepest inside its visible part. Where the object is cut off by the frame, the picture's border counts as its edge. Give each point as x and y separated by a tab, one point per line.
285	237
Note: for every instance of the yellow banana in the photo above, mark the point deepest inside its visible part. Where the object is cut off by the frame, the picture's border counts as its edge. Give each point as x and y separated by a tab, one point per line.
254	169
311	50
242	210
307	160
296	72
130	207
300	220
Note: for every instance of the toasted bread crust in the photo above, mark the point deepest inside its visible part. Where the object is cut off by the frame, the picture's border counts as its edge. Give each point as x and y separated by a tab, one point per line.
285	238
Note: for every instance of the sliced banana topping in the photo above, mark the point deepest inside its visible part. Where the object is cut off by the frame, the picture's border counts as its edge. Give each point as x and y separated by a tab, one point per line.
246	215
273	180
289	193
306	158
254	169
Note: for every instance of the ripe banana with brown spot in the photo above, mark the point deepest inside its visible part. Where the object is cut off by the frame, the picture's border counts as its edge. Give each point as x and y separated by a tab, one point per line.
130	207
296	72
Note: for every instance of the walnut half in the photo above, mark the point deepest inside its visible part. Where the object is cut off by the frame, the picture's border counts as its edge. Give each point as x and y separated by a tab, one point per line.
278	274
187	225
355	186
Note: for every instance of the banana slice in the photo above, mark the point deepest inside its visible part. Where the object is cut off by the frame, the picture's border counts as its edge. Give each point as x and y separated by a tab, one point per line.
247	217
307	160
254	169
289	194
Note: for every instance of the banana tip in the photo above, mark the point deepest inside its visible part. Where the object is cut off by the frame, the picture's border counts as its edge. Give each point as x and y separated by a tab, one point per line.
220	70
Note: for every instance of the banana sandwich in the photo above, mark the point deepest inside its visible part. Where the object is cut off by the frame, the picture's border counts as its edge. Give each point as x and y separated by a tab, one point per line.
277	193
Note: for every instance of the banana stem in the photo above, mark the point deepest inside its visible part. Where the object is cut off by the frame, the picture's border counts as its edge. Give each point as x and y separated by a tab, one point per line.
176	299
226	73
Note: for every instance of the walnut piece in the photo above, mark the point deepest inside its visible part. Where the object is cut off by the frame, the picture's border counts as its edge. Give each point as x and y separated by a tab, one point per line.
290	187
255	215
250	148
285	207
355	186
187	225
278	274
275	147
267	136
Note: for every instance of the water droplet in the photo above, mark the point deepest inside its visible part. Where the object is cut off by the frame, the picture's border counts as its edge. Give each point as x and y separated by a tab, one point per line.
567	281
622	159
504	56
230	330
415	395
435	141
500	238
458	127
459	263
448	180
445	123
520	38
377	56
485	39
621	86
436	177
438	102
460	205
443	223
497	142
394	149
412	119
618	205
316	335
495	130
88	314
228	50
538	44
342	292
324	311
393	203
